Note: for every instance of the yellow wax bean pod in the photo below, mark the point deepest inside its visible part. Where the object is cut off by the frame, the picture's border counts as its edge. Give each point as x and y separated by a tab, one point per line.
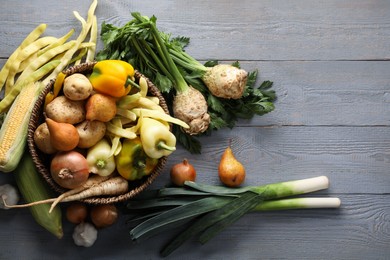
69	54
159	115
35	76
126	113
36	46
143	86
35	34
57	43
93	38
127	101
119	131
44	58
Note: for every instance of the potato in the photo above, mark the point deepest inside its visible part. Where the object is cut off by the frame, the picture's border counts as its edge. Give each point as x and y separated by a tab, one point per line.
64	110
90	132
77	87
42	139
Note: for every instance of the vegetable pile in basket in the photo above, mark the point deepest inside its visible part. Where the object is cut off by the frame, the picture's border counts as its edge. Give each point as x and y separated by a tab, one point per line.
84	129
207	97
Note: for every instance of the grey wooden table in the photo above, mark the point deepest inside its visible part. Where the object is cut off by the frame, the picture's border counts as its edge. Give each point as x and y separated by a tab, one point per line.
329	61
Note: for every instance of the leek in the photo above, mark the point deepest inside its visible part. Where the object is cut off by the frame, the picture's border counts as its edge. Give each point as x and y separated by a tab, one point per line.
208	209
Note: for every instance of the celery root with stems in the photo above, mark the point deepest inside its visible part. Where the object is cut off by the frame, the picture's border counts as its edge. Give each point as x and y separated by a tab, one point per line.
151	51
222	80
230	92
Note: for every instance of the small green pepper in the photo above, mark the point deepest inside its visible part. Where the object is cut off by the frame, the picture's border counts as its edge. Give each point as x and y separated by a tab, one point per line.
132	163
156	138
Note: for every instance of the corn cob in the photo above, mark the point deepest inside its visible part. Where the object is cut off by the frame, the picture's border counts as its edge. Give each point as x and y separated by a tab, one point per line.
32	187
13	132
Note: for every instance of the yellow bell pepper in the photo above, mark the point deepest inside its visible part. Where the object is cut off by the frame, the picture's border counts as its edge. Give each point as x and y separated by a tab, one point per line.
132	163
112	77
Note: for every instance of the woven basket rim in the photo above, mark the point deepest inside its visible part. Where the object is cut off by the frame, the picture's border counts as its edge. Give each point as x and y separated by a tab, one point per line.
41	160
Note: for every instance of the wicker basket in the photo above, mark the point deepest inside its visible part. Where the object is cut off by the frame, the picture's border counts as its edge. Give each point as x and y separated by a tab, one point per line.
42	161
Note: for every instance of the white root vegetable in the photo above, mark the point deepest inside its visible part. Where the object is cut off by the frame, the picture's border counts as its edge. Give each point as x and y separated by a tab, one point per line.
95	186
85	234
191	107
226	81
91	182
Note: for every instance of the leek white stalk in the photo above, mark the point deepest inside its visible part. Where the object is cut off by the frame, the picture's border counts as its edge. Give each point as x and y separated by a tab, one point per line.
290	188
298	203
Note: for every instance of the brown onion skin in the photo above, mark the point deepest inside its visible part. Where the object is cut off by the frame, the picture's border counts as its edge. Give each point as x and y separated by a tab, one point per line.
182	172
76	212
69	169
104	215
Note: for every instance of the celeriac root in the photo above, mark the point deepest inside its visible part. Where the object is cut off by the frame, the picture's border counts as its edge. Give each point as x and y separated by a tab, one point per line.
95	186
191	107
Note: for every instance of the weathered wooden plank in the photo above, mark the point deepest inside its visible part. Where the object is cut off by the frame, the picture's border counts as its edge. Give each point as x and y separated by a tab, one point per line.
358	230
331	119
356	159
326	30
326	93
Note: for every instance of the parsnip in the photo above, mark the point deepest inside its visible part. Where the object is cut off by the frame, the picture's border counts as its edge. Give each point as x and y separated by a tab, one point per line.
95	186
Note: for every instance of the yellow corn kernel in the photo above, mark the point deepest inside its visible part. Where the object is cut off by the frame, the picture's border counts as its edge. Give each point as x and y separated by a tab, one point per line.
13	132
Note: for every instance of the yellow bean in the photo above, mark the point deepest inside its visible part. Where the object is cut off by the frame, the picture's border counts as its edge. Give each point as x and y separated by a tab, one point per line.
35	34
35	76
159	116
36	46
116	144
119	131
69	54
93	39
126	113
144	102
23	54
125	101
44	58
23	65
59	42
143	86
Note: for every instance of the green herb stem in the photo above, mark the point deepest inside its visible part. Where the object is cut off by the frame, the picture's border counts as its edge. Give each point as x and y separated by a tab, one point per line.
154	56
180	83
186	61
